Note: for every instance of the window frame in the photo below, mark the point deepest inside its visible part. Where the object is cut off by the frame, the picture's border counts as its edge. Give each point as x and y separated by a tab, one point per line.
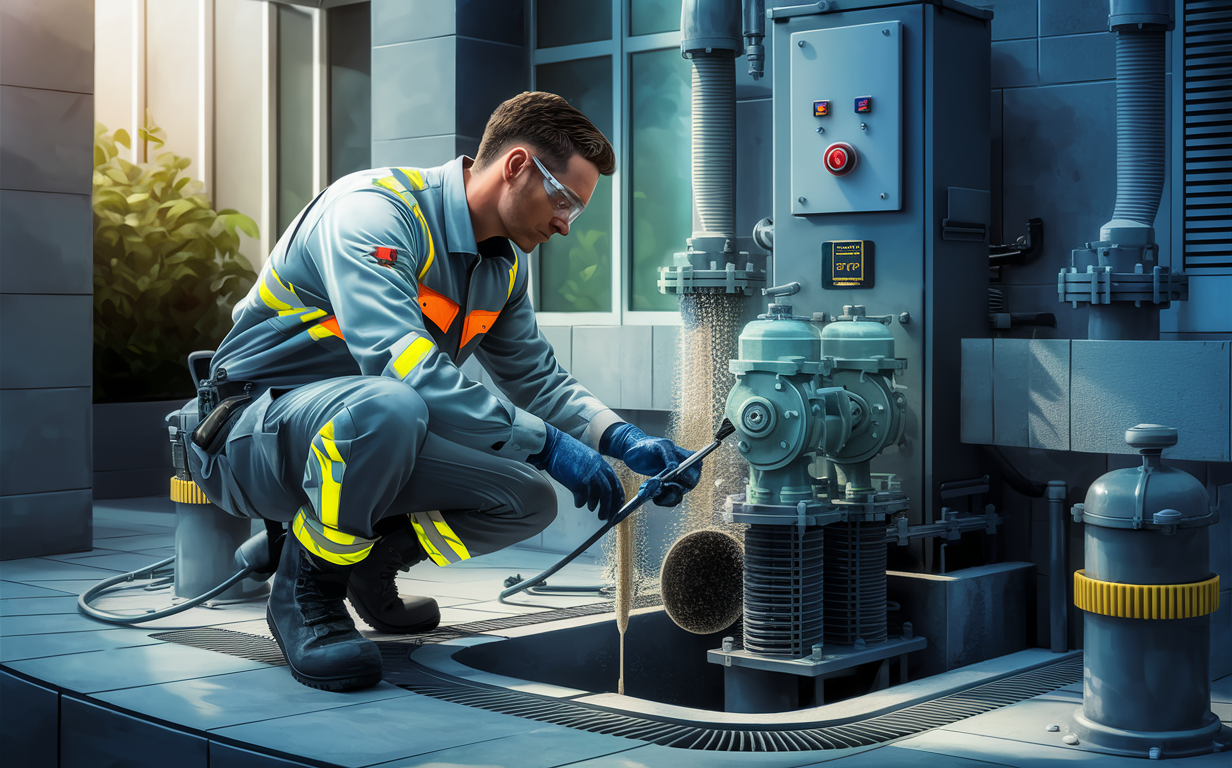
272	100
620	48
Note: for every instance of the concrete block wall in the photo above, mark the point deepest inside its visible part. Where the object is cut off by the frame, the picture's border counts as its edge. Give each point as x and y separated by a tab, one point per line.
439	68
46	283
1054	156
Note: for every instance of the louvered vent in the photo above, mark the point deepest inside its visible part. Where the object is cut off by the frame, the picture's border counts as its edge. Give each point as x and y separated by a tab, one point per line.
1208	136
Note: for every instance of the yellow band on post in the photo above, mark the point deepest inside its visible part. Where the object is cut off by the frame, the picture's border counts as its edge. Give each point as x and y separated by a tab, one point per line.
187	492
1146	601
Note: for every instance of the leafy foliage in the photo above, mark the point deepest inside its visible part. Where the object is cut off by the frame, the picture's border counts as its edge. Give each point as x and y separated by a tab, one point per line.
167	270
584	260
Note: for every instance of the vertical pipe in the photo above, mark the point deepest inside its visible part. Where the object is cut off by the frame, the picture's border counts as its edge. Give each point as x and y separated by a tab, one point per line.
1058	603
1141	113
714	146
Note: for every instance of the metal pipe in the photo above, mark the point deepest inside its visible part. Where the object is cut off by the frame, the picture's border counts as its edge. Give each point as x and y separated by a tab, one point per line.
710	32
1058	600
1141	147
754	32
714	146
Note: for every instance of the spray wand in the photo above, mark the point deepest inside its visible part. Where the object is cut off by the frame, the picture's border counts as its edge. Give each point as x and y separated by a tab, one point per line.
646	492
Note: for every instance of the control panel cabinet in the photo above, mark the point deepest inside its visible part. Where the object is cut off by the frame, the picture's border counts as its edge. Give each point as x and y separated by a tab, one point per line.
846	119
881	131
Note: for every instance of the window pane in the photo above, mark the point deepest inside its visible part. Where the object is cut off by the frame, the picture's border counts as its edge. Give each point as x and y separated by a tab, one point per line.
350	89
650	16
575	273
661	208
567	22
294	113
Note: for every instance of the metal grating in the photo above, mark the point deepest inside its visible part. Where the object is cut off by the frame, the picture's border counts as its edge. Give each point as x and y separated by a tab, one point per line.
401	671
875	730
245	646
1208	135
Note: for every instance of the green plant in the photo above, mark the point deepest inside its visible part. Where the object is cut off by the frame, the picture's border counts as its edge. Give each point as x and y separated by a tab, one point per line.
584	259
167	270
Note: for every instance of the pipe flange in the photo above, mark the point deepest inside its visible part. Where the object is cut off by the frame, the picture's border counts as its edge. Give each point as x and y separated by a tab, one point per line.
1100	285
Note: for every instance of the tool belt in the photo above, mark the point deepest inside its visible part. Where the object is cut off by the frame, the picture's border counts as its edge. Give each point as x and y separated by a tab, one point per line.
220	405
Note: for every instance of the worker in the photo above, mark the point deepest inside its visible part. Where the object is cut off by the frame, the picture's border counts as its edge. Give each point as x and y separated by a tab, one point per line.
336	403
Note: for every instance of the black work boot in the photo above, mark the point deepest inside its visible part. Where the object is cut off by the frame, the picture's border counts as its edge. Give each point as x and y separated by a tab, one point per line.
374	593
310	622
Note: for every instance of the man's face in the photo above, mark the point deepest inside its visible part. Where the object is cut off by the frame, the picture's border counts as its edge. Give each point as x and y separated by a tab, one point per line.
531	214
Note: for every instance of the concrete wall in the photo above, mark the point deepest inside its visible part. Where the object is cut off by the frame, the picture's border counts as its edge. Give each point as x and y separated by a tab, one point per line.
46	146
1054	150
439	68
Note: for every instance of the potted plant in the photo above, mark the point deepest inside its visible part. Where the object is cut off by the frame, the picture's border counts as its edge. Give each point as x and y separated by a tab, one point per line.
167	272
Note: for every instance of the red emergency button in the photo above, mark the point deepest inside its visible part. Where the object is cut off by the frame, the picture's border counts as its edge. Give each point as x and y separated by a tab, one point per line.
841	158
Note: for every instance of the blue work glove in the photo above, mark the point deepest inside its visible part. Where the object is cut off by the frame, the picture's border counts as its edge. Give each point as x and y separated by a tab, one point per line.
650	456
582	470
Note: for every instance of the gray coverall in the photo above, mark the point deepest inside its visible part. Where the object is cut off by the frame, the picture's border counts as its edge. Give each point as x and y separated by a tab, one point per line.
352	338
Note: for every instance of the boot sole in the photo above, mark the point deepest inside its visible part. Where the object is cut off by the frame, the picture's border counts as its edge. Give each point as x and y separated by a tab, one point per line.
380	626
335	684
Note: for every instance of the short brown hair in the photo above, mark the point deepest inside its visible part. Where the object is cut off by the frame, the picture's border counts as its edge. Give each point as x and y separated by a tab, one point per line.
555	128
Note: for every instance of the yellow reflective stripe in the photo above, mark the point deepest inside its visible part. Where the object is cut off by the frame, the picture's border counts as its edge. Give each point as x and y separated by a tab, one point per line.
331	488
417	182
281	297
395	186
271	301
450	537
428	234
438	539
415	352
318	542
513	273
431	549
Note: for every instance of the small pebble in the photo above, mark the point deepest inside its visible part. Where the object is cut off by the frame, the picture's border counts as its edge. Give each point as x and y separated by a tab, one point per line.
1053	728
1069	738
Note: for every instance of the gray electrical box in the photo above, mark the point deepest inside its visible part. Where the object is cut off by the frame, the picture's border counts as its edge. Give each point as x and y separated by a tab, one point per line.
920	255
846	105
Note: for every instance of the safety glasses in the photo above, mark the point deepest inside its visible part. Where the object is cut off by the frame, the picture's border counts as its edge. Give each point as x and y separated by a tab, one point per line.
566	204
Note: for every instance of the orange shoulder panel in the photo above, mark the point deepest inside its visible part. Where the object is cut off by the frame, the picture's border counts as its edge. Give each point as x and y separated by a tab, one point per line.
331	324
477	322
436	307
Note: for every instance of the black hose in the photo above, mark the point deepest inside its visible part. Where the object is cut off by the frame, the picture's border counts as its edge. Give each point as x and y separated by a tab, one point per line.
83	602
1015	479
647	491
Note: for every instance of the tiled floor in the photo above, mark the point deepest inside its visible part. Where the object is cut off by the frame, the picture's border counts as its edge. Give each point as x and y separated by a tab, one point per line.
117	696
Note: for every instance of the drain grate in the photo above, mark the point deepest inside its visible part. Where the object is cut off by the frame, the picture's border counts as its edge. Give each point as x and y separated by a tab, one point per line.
401	671
245	646
874	730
